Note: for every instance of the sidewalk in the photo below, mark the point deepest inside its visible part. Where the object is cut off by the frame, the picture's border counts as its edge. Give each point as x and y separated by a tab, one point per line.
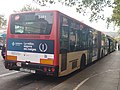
1	59
103	75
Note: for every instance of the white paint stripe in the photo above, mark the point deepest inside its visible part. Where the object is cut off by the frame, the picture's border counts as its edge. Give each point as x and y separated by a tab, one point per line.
30	56
80	84
7	74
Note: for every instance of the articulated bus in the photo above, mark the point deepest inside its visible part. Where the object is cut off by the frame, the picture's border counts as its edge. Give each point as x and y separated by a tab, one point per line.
52	43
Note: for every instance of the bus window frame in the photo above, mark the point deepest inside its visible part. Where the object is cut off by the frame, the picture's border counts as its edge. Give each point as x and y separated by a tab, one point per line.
13	23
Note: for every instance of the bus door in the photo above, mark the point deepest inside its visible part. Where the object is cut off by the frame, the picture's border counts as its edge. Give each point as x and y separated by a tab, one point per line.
64	42
99	44
90	47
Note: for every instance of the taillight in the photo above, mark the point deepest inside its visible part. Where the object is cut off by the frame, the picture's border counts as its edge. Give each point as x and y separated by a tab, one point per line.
45	69
49	69
52	69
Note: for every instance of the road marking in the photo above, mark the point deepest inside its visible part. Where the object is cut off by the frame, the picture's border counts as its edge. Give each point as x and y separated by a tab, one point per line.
7	74
76	88
81	83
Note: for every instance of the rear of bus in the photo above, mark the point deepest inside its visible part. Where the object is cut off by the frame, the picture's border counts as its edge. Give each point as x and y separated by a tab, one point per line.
32	43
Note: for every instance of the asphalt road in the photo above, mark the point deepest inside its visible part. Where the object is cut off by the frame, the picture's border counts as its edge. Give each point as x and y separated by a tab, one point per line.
14	80
103	75
2	68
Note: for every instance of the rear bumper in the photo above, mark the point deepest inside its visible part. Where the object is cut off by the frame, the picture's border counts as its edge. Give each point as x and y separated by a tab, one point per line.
39	69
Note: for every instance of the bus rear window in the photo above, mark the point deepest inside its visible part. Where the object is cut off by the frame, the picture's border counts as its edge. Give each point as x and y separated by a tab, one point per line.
31	23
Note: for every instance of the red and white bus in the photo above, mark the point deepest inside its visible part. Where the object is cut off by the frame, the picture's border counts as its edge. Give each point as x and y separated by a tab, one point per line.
52	43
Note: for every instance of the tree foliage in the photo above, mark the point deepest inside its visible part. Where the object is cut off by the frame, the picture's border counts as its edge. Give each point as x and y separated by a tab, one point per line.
116	13
93	7
3	21
28	8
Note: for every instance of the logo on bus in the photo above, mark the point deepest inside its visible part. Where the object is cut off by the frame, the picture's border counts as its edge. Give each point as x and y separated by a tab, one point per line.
13	43
43	47
17	17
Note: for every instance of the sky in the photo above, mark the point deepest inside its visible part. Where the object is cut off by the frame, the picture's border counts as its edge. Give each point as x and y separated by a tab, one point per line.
8	6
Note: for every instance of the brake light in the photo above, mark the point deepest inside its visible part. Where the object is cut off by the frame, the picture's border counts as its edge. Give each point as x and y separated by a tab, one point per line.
45	69
52	69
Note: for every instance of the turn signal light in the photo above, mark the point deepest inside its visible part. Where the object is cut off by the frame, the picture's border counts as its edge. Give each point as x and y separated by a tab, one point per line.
46	61
9	57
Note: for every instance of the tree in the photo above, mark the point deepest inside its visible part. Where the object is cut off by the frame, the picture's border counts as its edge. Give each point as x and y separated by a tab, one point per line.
3	21
115	19
116	15
94	7
28	8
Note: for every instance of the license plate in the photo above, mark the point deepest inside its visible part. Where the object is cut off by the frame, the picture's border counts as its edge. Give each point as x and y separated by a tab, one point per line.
27	70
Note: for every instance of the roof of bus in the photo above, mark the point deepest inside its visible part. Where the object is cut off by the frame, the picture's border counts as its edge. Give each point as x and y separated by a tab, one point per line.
36	11
87	25
61	13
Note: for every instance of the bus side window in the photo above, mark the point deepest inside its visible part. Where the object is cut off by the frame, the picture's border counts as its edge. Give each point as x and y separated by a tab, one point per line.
95	39
64	34
90	39
72	38
64	38
84	39
77	45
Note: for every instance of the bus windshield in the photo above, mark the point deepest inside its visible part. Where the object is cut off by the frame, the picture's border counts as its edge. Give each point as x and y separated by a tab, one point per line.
31	23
